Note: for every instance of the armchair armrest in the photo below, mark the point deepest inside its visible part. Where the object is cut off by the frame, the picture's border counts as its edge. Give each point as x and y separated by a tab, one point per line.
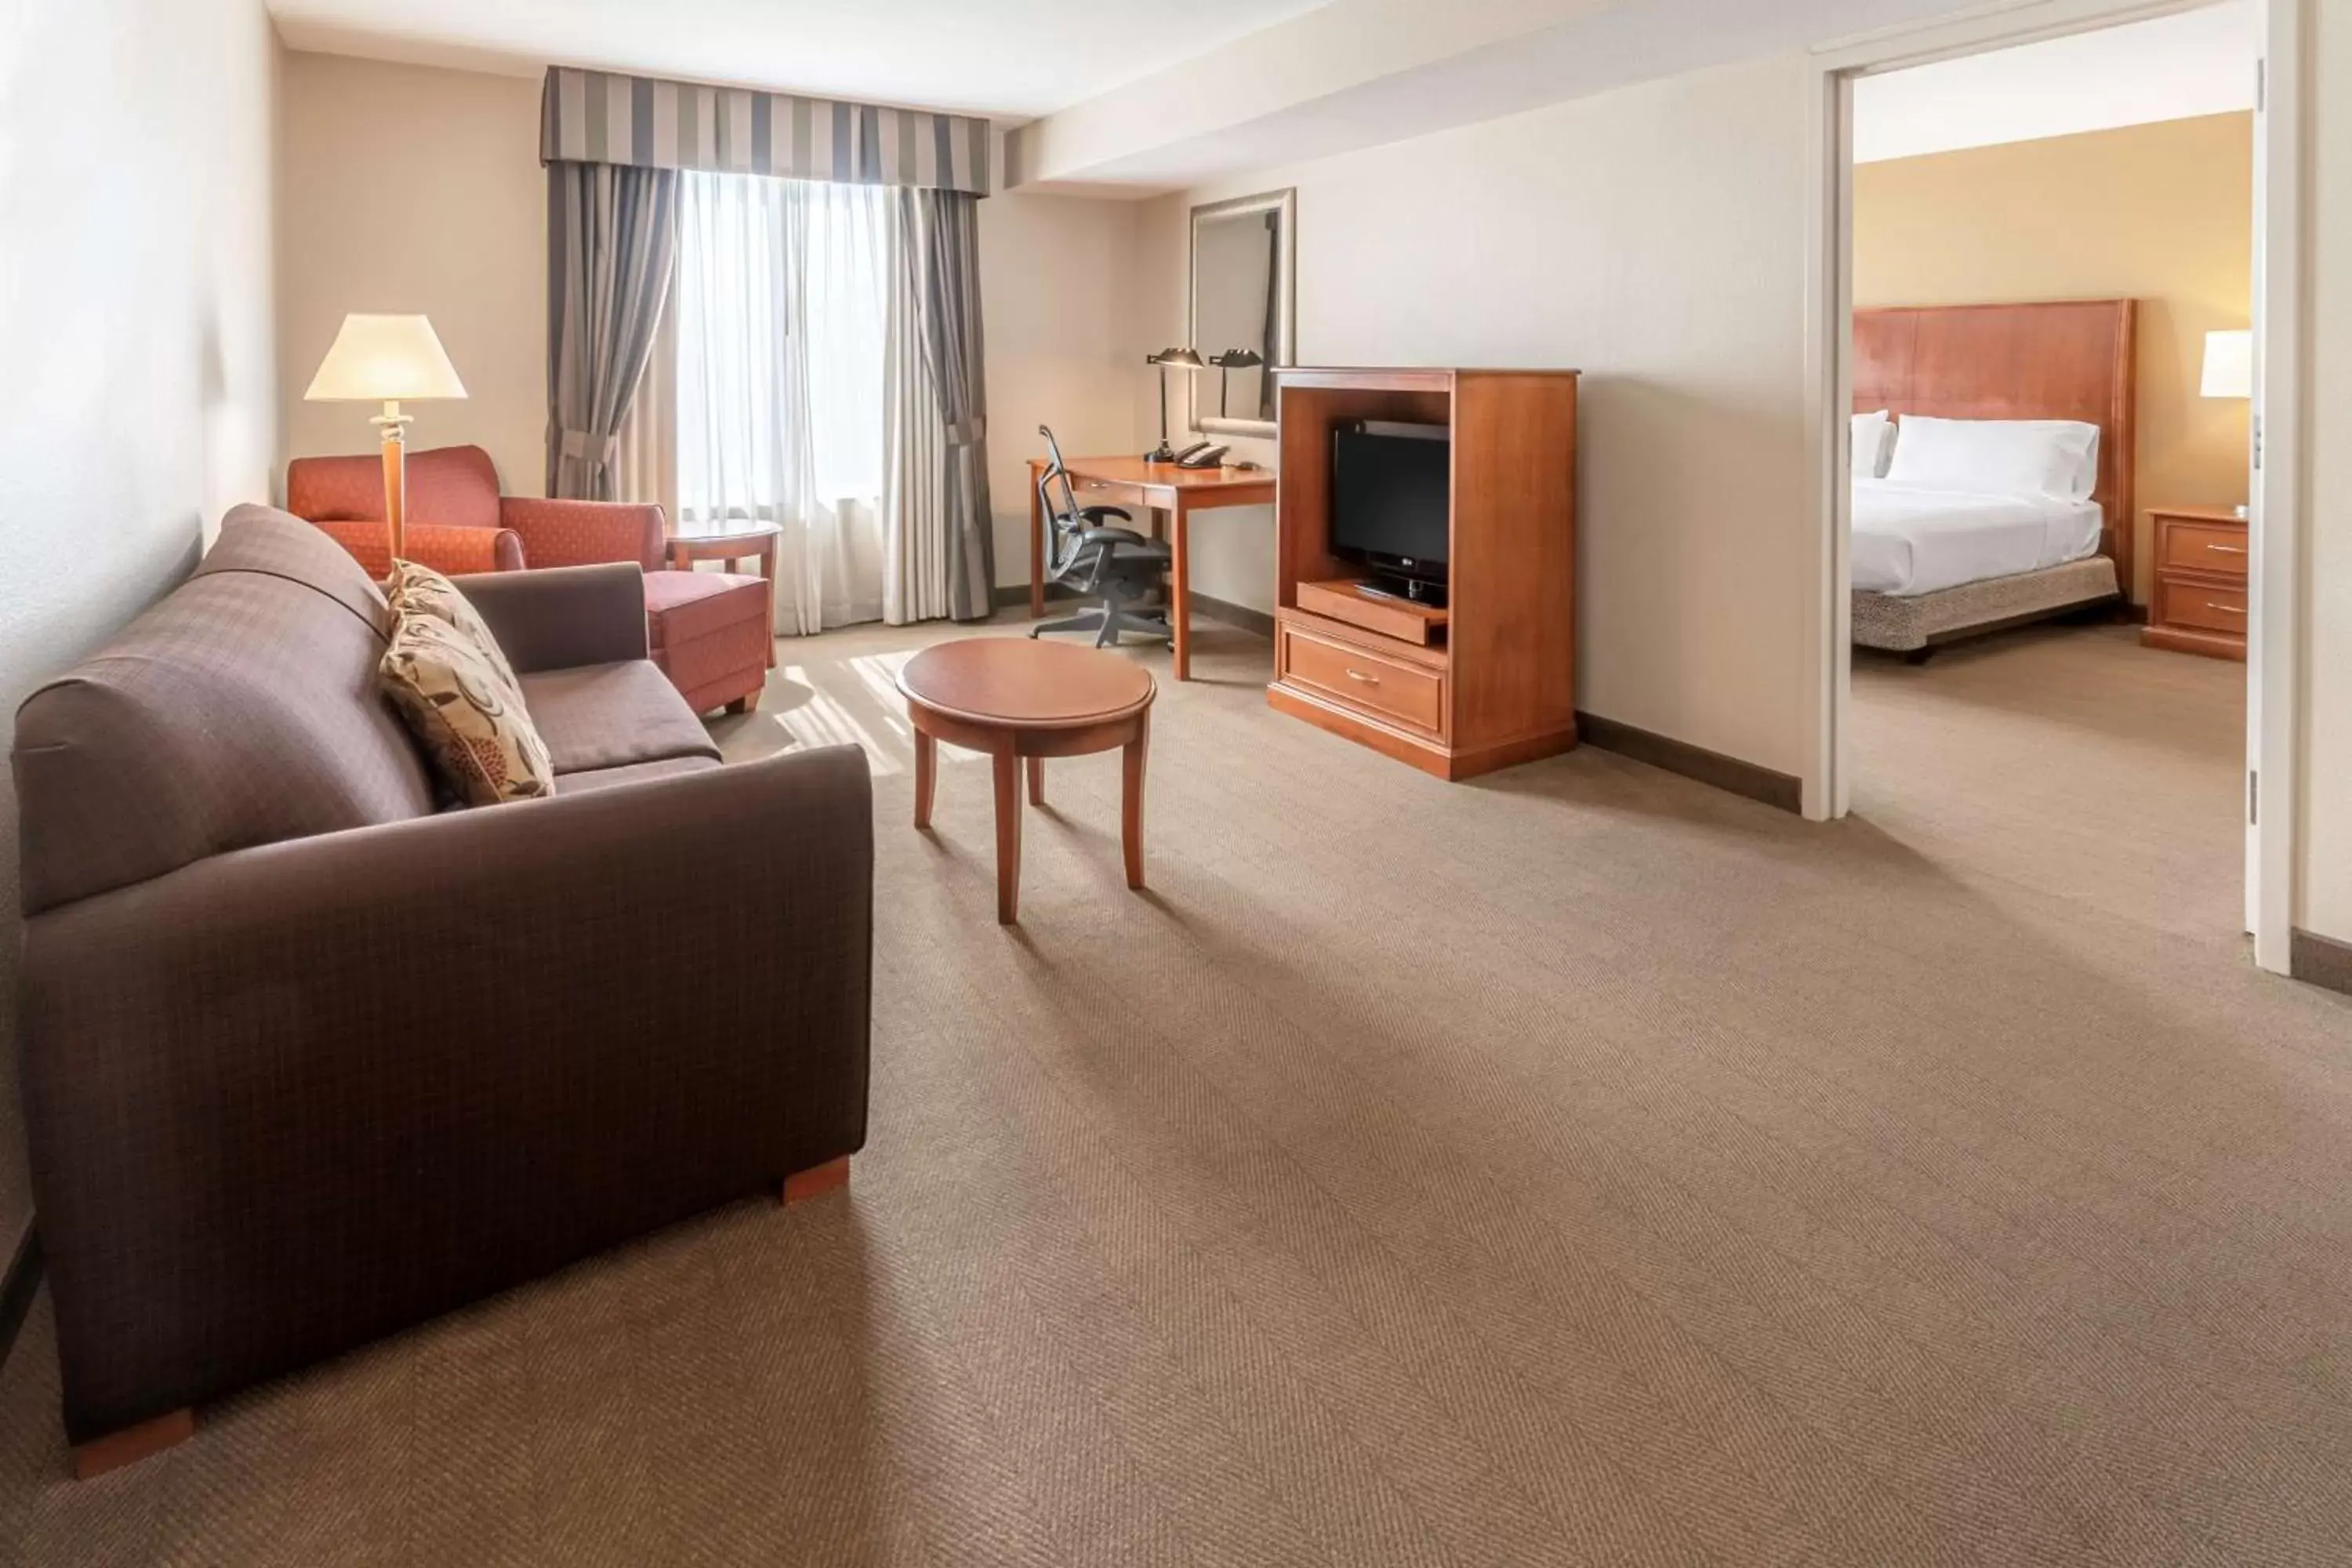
561	617
291	1097
583	532
445	548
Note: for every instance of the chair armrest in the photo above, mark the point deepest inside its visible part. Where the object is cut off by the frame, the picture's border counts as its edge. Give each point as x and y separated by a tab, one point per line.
561	617
287	1098
1112	536
583	532
445	548
1097	513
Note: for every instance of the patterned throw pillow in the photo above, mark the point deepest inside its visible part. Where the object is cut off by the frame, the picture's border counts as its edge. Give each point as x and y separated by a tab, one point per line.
465	711
421	588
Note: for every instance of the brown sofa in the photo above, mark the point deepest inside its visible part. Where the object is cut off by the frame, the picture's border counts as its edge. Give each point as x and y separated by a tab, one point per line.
305	1060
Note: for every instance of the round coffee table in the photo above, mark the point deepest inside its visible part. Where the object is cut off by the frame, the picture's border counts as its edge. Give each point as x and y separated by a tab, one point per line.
1021	702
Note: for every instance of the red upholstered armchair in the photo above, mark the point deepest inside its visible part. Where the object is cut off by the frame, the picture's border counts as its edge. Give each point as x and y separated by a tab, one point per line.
712	632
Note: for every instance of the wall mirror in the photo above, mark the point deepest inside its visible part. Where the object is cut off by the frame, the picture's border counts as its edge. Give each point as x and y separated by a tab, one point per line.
1240	321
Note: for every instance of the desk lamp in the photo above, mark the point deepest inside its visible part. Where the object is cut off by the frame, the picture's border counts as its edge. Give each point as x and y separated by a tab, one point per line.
1184	360
1227	363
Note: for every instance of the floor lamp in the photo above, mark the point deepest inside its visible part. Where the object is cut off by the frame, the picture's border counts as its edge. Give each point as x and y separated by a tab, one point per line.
388	359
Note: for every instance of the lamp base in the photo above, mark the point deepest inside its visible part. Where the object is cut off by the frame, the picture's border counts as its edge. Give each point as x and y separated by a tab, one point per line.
1162	453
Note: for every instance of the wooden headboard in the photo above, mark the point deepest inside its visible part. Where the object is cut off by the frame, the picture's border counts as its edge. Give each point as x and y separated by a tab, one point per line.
2065	359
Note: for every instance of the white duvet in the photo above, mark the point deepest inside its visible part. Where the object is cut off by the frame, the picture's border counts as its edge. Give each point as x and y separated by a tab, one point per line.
1912	539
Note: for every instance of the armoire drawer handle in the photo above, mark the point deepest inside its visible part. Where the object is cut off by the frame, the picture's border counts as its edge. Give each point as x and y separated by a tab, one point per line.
2225	609
2227	549
1367	679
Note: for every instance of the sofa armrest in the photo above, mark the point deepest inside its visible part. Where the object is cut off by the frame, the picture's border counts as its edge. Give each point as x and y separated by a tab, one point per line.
445	548
288	1098
582	532
561	617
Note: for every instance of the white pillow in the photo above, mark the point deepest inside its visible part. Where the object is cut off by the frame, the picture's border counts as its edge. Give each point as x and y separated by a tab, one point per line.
1999	457
1874	436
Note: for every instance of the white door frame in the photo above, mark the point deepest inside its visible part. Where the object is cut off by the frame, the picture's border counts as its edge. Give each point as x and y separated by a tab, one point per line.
2273	673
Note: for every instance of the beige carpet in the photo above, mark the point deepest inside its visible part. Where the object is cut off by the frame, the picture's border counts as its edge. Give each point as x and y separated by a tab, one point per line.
1578	1167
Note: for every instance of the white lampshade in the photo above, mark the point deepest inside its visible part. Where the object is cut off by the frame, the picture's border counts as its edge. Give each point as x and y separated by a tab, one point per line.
2228	364
384	359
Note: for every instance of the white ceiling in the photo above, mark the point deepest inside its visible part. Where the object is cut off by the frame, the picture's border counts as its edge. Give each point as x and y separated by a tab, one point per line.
2175	68
1010	59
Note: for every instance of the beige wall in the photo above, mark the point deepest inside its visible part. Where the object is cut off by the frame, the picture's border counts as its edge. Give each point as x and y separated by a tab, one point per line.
414	188
1653	237
2324	792
1055	296
139	400
2163	213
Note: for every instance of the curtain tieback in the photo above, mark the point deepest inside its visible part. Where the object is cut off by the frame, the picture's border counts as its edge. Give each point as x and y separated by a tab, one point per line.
968	431
588	446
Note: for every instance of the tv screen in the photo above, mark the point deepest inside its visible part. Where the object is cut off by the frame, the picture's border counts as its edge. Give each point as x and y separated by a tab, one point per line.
1389	498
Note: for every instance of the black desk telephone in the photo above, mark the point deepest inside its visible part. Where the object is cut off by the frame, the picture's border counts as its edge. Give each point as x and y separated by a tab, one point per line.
1200	455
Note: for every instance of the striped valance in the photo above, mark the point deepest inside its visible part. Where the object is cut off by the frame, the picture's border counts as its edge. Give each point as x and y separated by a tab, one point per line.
598	116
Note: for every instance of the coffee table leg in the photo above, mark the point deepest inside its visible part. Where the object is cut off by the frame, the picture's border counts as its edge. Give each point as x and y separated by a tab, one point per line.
1037	780
926	774
1008	837
1130	798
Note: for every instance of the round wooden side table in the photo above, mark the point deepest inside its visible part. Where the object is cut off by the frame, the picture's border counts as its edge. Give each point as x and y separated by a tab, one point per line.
738	539
1022	702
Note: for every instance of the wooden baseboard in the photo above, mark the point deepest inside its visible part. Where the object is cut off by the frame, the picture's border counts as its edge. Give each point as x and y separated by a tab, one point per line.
2320	961
133	1443
1241	615
1257	622
19	1285
1757	782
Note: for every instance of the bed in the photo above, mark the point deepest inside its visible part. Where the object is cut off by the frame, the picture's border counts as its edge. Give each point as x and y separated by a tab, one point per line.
1933	565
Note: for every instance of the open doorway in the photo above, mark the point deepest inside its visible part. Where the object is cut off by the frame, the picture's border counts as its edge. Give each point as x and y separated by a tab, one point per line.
2043	280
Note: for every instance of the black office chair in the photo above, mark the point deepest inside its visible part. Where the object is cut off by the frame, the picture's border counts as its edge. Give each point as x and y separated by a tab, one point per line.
1116	567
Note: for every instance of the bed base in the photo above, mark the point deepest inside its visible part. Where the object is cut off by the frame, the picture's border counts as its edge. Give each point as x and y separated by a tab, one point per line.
1917	624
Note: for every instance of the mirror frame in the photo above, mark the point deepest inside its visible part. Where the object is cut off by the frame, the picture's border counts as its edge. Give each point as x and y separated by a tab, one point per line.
1286	323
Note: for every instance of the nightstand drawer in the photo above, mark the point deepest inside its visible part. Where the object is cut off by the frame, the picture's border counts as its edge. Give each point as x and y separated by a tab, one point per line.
1370	682
2204	609
2214	548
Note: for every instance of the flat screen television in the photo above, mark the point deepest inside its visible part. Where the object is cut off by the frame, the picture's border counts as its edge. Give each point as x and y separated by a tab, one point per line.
1390	486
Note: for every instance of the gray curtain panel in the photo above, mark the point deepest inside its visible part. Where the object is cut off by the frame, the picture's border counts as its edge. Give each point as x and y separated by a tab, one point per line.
611	235
942	228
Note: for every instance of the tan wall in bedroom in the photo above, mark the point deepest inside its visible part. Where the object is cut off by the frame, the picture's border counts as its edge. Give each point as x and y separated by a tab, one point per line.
2162	214
415	188
140	394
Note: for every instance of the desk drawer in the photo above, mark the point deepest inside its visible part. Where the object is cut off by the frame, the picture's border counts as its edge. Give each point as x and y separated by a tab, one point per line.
1109	492
1368	682
2214	548
2204	609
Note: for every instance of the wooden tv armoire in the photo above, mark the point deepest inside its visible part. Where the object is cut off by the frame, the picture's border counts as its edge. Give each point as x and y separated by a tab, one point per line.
1489	681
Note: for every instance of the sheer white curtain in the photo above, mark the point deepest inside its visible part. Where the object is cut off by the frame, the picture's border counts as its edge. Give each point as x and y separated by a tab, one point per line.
784	300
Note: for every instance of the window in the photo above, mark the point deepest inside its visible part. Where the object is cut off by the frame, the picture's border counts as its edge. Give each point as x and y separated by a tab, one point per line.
783	323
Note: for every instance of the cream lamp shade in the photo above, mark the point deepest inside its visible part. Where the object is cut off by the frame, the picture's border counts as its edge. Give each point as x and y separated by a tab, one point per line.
384	359
2228	364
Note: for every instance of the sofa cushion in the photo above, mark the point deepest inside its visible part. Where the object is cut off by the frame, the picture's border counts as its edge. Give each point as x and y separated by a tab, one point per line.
418	588
461	704
611	715
241	709
634	773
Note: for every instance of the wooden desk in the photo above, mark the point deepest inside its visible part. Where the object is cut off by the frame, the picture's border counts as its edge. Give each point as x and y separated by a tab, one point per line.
1162	488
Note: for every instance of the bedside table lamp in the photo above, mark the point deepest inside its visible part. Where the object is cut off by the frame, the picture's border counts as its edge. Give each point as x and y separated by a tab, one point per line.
2229	368
388	359
1185	360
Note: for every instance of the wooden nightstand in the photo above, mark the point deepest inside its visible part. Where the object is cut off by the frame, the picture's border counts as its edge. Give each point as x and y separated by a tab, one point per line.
2201	583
